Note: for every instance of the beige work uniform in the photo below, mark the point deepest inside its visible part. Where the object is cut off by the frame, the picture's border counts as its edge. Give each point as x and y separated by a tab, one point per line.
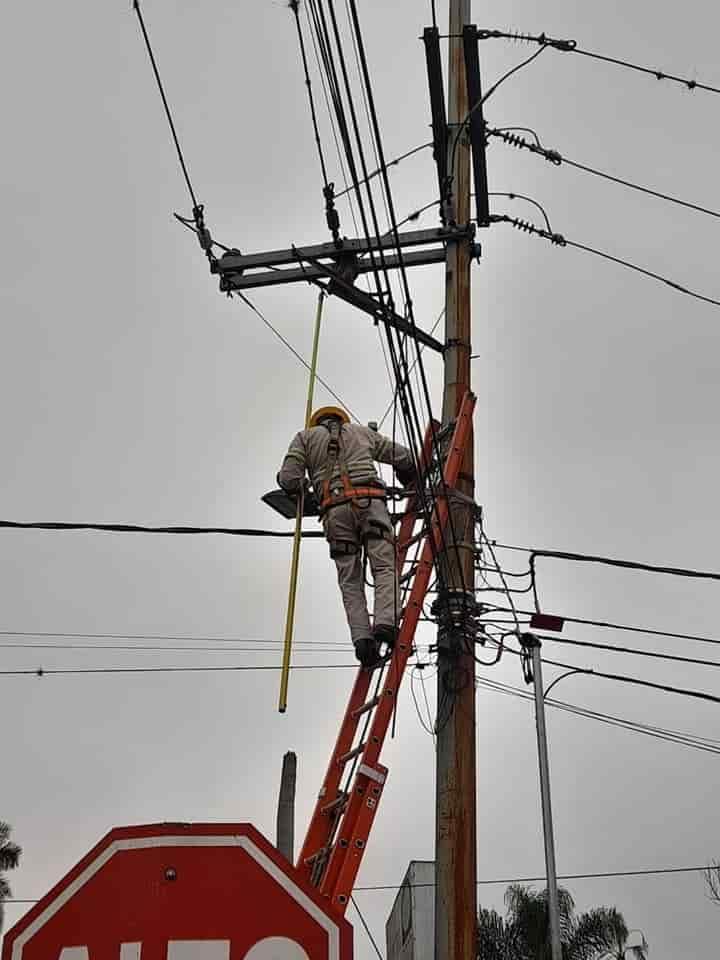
360	521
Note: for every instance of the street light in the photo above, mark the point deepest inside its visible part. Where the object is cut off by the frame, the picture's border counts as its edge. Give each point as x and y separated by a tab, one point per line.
531	655
532	669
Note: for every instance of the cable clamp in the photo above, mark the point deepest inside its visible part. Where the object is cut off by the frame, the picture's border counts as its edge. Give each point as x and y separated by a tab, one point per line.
517	36
331	215
203	234
458	617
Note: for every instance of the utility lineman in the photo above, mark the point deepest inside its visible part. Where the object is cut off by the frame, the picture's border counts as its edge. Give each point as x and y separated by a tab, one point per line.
340	457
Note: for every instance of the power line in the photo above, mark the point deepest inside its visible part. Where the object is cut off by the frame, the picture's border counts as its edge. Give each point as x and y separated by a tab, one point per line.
390	163
292	349
168	114
81	671
503	78
138	528
272	647
507	136
653	872
295	7
411	368
622	678
658	74
641	189
340	158
568	876
705	744
485	97
424	388
633	650
397	352
559	240
619	626
642	270
520	196
570	46
366	927
154	636
611	561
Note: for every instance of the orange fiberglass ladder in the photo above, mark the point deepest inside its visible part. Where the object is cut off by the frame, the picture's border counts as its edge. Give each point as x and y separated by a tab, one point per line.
343	817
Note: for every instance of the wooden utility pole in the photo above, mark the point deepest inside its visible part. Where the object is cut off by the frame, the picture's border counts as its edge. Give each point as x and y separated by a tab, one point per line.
455	837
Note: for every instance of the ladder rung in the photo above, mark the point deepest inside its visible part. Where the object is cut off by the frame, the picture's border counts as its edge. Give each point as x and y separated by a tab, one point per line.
342	760
366	707
334	804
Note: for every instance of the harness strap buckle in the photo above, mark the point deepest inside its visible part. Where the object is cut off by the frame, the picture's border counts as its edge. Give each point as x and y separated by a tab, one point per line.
343	548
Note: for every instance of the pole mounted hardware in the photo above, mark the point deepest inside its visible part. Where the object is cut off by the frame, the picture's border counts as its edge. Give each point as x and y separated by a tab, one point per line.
458	616
431	39
239	271
341	266
476	124
546	621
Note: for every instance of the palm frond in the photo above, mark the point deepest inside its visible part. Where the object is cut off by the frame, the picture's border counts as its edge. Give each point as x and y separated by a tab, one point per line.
492	936
9	855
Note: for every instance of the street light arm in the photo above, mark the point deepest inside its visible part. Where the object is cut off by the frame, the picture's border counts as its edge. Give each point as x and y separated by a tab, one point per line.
562	676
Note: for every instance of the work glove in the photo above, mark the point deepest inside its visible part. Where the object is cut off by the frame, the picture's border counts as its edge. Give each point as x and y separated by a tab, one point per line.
293	488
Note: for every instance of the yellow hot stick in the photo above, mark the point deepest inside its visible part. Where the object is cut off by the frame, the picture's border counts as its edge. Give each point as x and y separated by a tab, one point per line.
295	562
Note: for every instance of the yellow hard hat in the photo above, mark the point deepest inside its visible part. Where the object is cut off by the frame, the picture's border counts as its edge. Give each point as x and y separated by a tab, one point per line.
323	412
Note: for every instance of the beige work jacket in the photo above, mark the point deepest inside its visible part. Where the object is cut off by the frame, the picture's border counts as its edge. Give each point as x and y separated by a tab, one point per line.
360	449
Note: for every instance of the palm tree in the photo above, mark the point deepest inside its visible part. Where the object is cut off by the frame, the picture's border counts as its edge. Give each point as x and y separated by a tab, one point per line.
524	934
9	859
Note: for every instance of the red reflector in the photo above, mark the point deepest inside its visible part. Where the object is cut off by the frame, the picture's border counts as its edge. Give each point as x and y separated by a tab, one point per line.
546	621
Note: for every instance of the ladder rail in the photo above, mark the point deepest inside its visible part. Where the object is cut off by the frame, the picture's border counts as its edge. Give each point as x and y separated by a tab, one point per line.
358	816
323	824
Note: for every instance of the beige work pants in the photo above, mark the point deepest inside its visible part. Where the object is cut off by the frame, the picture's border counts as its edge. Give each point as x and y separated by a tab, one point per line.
347	527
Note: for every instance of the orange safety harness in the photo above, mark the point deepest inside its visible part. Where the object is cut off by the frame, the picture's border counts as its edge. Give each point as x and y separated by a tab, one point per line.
334	496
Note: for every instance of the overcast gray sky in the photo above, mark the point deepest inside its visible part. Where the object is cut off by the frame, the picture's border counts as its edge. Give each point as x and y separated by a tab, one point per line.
132	391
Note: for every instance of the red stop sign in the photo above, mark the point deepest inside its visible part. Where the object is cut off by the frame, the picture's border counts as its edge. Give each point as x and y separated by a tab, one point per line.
181	892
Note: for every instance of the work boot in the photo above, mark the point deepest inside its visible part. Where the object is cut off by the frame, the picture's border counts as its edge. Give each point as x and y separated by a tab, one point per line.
384	633
366	651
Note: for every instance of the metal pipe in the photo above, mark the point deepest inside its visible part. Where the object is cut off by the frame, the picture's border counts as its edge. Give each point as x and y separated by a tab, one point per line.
285	826
529	640
295	561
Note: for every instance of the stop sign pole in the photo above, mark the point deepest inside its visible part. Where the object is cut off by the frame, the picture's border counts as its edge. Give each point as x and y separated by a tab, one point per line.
181	892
